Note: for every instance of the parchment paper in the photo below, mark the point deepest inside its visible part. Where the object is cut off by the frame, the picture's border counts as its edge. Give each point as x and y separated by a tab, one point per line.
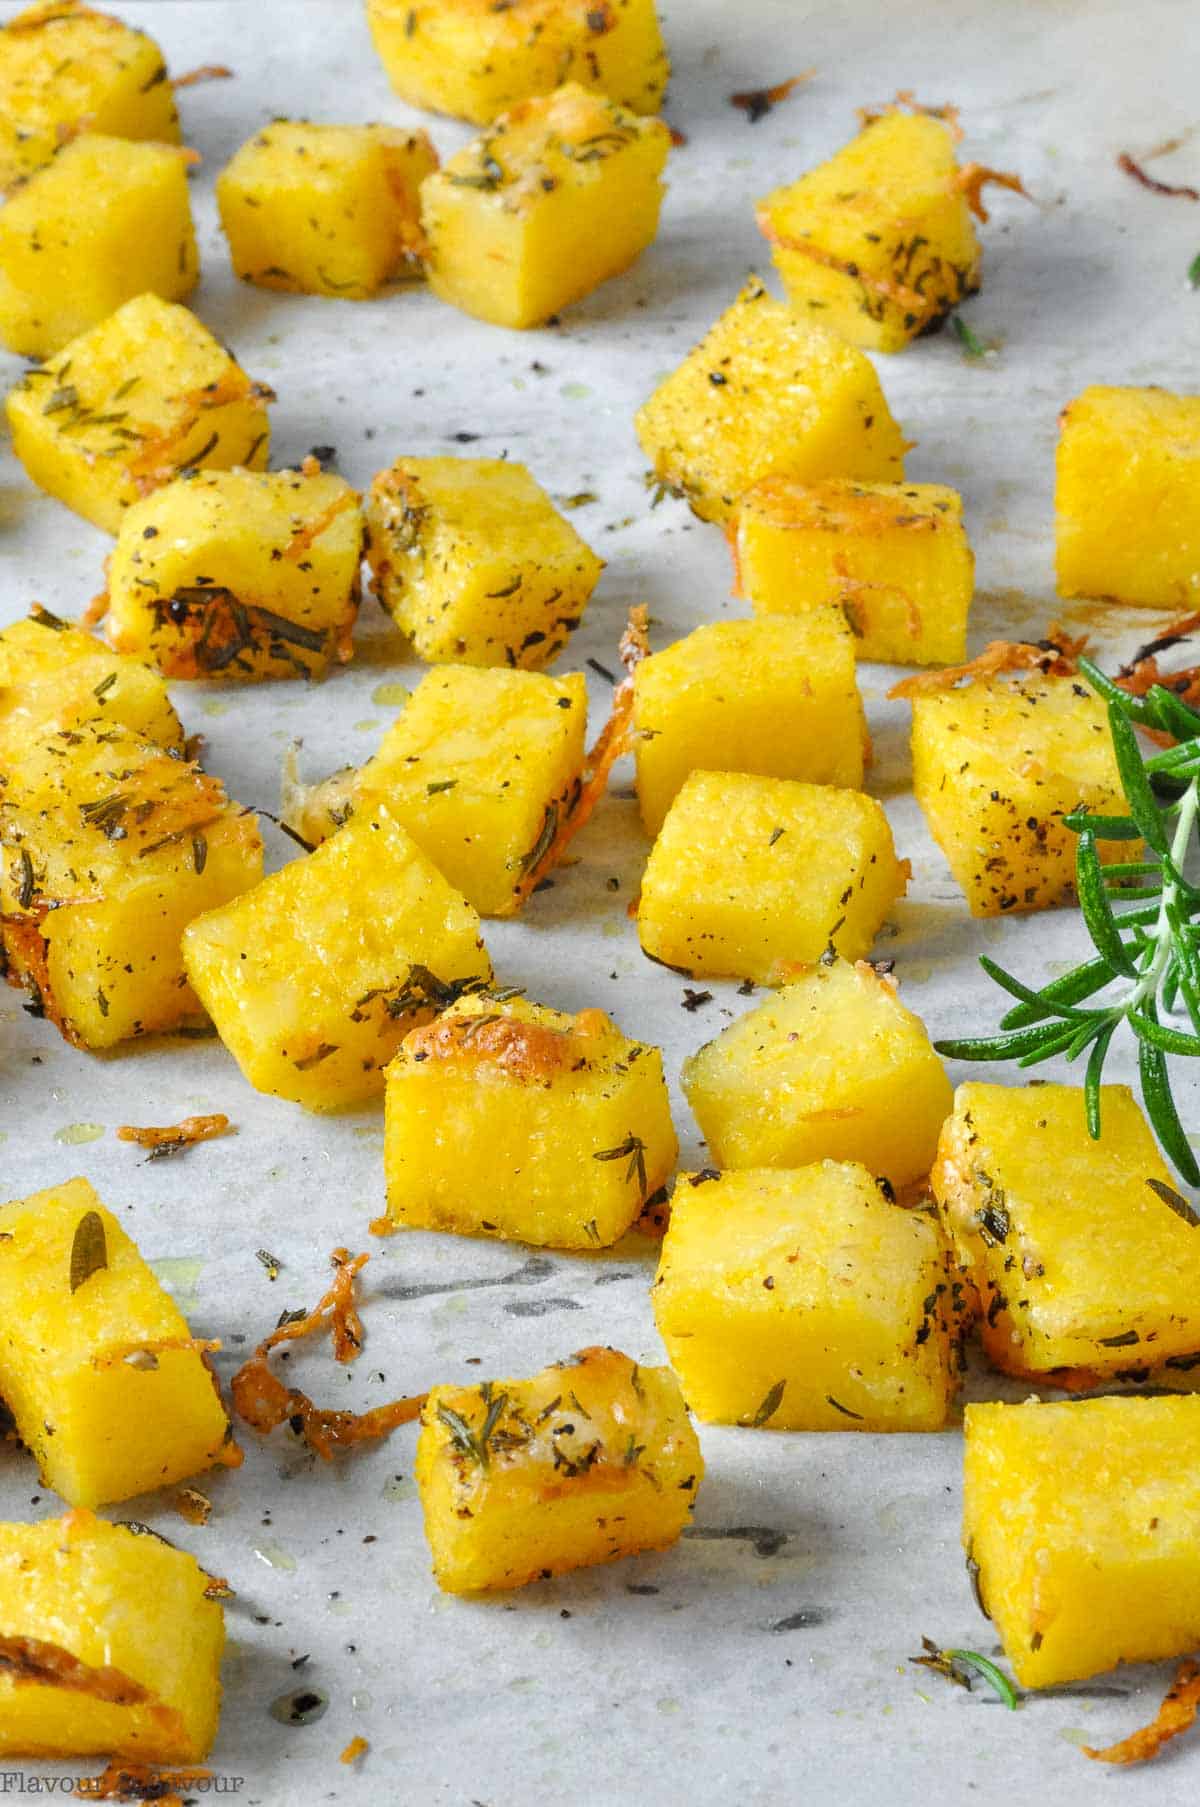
763	1659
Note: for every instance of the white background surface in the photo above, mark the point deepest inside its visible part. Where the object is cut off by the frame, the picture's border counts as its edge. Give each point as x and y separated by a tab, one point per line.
666	1678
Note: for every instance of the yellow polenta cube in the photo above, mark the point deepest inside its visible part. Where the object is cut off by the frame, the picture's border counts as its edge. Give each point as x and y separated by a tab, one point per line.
324	209
480	767
63	66
314	978
97	1365
110	845
143	397
833	1067
1127	502
474	562
106	220
239	574
592	1459
767	394
998	763
894	556
878	243
750	875
1078	1256
778	697
112	1644
510	1119
806	1300
561	194
53	676
1079	1522
475	59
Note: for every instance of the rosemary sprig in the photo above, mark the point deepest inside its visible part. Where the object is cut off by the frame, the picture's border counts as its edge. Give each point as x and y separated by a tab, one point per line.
1147	957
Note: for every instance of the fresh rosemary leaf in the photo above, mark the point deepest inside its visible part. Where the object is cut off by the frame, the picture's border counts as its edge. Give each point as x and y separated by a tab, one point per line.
1072	988
1091	1079
1105	828
1057	1041
1143	805
1018	990
1135	708
1022	1043
1097	910
1193	274
1159	1035
1160	1108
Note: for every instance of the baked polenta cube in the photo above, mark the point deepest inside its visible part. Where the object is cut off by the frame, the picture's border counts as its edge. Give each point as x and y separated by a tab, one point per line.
1075	1246
54	675
107	1388
998	763
592	1459
480	767
1079	1525
110	845
475	59
64	66
1127	502
767	394
324	209
239	574
806	1301
561	194
314	978
832	1067
509	1119
105	220
878	243
474	562
894	556
144	397
751	875
778	698
112	1644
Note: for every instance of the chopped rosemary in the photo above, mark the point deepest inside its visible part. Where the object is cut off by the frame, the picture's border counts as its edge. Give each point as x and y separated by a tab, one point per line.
770	1405
89	1249
973	346
953	1664
1193	274
1146	957
635	1149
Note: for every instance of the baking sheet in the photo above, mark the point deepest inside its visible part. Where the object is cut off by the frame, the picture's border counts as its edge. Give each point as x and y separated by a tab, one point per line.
764	1657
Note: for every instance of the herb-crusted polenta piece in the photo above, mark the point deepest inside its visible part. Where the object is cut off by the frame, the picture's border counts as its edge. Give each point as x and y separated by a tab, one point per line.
806	1301
1127	502
751	875
561	194
324	209
1078	1249
568	1119
778	698
895	557
110	845
144	396
1079	1523
239	574
480	767
314	978
832	1067
878	243
54	675
475	59
97	1364
106	220
767	394
111	1643
998	763
474	562
64	65
592	1459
